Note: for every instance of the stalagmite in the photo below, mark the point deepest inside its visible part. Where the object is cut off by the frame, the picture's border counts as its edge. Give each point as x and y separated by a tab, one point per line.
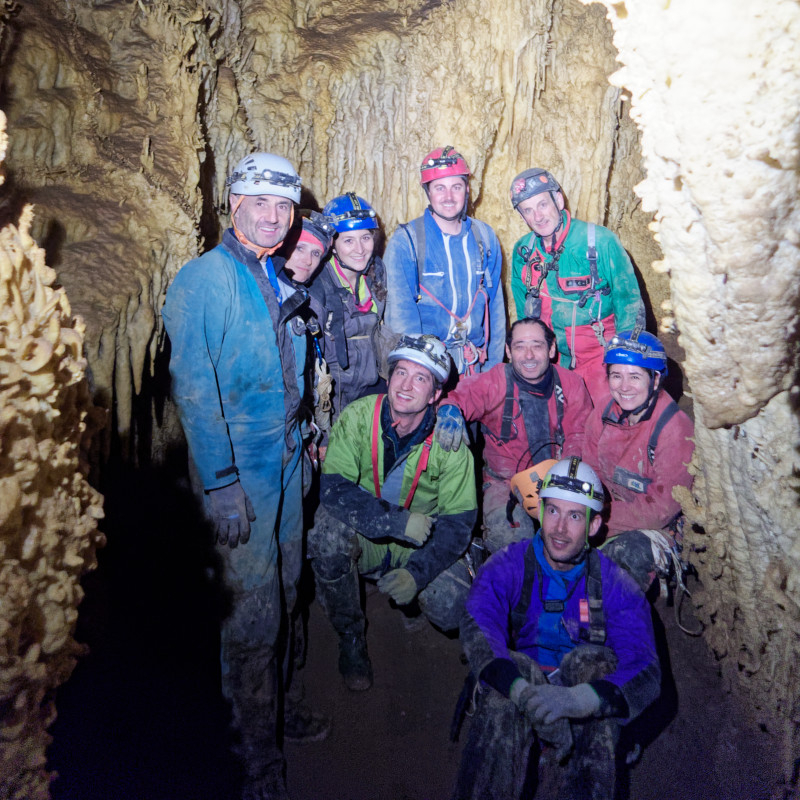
48	511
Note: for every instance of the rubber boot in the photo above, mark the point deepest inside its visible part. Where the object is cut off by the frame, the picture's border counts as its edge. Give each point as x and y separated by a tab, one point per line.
341	601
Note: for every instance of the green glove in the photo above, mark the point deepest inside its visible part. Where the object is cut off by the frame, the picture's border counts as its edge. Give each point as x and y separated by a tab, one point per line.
546	703
400	585
418	528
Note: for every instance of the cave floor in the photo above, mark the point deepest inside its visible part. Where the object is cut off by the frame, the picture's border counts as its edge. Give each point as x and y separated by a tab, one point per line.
141	717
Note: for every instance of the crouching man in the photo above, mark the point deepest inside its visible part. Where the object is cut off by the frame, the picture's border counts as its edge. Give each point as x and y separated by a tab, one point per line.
562	642
394	506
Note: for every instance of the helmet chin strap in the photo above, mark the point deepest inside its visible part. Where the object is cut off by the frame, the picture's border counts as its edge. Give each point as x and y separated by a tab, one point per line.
651	399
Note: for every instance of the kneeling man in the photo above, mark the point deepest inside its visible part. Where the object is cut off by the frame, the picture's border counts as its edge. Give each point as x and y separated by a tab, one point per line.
394	506
561	640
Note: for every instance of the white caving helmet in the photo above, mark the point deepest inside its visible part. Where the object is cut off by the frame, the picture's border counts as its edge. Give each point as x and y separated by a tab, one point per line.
265	173
425	350
574	480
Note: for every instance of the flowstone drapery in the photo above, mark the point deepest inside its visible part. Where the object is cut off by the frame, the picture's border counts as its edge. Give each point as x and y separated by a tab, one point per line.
721	147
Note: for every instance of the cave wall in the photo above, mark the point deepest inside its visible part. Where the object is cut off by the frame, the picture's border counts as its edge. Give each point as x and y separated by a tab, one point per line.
721	149
125	117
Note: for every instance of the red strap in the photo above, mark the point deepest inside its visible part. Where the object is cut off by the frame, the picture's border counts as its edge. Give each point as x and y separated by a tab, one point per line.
376	426
422	465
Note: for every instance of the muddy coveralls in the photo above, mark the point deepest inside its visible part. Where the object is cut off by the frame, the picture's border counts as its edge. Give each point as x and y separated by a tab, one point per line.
448	286
506	637
236	365
582	319
358	532
523	424
639	465
349	332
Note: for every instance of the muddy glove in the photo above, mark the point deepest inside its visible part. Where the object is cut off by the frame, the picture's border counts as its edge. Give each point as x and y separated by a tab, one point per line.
557	734
547	703
400	585
450	428
231	513
418	528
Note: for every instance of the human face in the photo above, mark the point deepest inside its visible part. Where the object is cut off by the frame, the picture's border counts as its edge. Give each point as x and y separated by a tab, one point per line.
528	352
354	249
263	219
629	385
541	213
411	390
564	531
304	260
447	196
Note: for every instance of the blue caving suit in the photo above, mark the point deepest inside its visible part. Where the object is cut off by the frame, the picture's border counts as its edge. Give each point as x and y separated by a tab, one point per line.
238	355
451	272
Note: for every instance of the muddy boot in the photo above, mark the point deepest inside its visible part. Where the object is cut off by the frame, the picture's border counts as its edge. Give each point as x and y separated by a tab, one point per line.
302	725
354	663
342	603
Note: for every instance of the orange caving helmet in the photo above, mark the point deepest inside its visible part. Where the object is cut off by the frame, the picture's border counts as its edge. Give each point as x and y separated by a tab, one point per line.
525	485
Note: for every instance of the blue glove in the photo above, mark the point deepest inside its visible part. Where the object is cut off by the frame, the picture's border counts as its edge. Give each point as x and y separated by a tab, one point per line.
546	703
231	513
400	585
450	428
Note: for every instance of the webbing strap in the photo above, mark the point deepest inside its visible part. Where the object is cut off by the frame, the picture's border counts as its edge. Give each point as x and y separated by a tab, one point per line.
594	594
559	393
666	415
376	427
422	464
508	407
520	610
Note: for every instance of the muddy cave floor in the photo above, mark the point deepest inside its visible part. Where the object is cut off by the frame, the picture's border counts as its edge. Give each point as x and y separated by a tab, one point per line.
141	716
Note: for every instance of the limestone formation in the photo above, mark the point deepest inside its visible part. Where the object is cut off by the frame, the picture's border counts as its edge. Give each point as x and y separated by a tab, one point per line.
48	511
716	92
126	116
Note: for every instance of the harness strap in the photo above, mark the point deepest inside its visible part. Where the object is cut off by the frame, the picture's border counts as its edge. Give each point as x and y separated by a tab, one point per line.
520	610
559	394
376	427
508	407
666	415
594	594
422	464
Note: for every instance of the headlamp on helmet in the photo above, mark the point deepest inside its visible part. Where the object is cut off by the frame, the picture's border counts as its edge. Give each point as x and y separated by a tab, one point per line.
425	350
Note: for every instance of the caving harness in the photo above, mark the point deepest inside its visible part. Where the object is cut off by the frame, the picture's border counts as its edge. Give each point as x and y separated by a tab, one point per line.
666	555
591	609
508	422
422	464
471	355
586	286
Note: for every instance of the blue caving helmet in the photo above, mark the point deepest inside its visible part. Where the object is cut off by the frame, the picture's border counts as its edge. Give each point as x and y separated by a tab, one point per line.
351	213
638	348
